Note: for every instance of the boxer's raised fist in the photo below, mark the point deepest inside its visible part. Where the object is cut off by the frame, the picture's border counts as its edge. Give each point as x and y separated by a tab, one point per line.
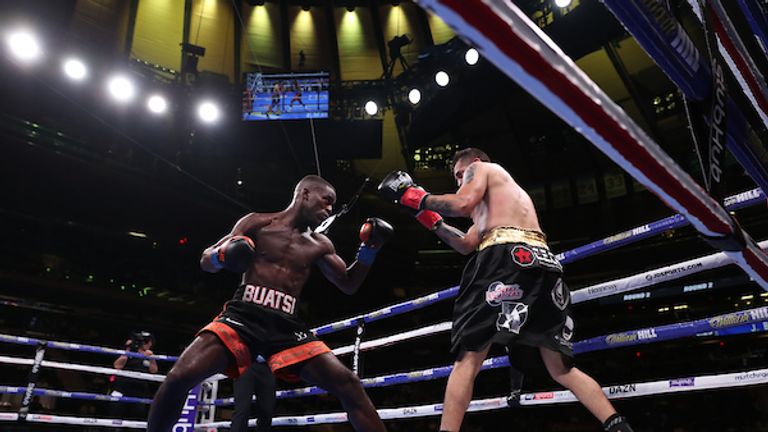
235	254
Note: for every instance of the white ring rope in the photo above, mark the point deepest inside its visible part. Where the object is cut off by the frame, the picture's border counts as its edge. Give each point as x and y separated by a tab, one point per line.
95	369
396	338
673	385
656	276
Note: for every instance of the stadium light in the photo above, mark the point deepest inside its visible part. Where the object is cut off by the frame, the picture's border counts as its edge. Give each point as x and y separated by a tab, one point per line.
414	96
371	107
472	56
442	79
24	46
121	88
208	112
562	3
157	104
75	69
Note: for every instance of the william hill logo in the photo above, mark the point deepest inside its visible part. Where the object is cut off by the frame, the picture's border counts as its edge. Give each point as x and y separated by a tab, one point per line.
737	318
639	335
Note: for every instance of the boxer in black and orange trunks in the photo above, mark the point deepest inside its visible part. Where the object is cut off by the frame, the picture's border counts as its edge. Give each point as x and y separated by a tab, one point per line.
511	291
275	252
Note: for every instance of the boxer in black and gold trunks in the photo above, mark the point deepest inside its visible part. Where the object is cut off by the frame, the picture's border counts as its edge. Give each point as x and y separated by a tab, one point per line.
511	291
275	252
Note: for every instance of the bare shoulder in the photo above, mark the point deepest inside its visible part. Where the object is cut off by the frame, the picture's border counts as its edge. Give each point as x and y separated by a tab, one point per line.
252	222
324	243
499	172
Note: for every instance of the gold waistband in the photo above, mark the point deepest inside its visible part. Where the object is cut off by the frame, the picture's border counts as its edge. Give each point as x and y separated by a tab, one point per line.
505	235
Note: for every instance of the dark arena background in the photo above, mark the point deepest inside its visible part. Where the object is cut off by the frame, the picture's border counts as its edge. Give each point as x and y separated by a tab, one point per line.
135	133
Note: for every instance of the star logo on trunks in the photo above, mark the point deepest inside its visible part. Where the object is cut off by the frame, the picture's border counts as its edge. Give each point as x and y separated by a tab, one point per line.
512	317
522	256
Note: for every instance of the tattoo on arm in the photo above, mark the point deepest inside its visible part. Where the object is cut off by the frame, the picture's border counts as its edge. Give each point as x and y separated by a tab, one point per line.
440	205
469	174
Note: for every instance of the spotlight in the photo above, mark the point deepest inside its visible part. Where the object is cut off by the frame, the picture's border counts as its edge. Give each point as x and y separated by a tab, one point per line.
414	96
350	8
24	46
472	56
121	88
372	108
562	3
442	79
157	104
305	7
75	69
208	112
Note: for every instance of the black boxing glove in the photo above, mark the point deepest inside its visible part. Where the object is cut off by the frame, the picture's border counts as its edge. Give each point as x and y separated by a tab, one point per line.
234	255
373	234
617	423
398	186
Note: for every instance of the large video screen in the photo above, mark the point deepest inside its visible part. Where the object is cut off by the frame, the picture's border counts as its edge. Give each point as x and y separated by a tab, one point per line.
285	96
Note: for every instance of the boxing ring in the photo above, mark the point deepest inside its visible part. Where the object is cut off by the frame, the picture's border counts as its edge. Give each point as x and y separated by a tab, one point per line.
507	38
738	322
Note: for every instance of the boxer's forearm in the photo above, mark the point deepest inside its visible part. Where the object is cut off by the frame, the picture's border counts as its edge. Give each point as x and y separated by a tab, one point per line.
448	205
347	279
455	238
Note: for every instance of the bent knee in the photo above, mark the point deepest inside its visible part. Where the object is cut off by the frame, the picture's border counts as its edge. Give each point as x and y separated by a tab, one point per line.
561	373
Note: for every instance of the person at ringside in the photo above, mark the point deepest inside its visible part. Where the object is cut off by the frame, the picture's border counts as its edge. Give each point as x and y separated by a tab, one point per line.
511	292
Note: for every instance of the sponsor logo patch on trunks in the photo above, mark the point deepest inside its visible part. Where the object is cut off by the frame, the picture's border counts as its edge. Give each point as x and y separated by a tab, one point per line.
526	256
566	334
523	256
512	317
499	291
270	298
561	295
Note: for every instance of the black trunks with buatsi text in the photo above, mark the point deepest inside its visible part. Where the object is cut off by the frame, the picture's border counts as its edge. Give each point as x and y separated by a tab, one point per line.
512	292
261	321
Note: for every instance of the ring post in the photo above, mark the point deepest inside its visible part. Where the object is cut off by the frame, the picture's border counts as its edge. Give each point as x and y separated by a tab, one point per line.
356	361
32	381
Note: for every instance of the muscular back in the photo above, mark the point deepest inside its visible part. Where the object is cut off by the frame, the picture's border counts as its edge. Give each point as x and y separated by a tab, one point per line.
505	203
284	256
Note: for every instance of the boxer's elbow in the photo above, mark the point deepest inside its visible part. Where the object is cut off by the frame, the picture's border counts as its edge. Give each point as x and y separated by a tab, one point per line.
344	282
205	263
462	206
348	287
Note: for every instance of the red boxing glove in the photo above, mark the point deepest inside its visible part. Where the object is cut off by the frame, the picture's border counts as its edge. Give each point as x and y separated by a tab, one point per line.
429	219
413	197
